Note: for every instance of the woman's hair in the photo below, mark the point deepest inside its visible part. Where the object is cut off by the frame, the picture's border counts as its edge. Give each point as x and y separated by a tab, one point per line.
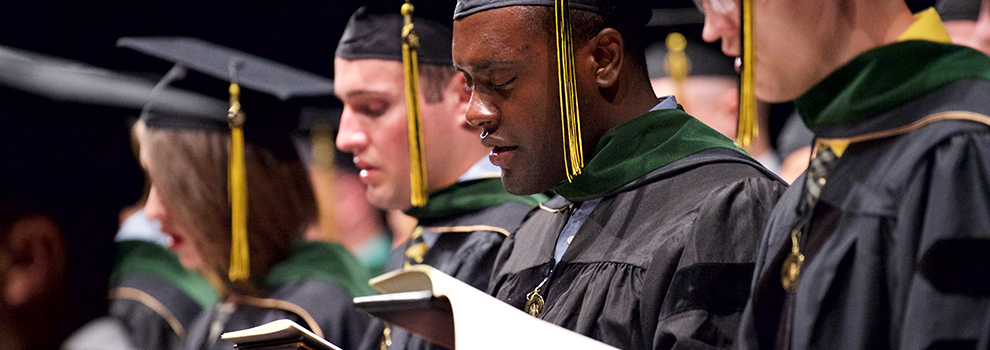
189	170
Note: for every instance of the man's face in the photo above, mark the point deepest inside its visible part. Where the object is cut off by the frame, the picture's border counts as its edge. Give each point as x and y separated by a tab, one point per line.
374	127
786	67
512	74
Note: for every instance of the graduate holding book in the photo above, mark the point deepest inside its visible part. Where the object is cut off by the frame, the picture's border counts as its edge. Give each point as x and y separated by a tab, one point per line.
651	237
442	178
230	190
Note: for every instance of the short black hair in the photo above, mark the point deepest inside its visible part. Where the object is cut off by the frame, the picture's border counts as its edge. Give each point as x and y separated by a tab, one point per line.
435	78
584	26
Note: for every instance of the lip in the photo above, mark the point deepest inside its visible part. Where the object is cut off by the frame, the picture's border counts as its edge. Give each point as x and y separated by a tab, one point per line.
176	240
500	156
368	172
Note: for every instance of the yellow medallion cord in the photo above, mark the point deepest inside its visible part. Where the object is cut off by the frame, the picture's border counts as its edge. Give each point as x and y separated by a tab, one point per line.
567	85
748	127
677	64
240	261
417	163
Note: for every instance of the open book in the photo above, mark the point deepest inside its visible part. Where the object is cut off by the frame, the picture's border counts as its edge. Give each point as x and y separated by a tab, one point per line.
451	313
279	334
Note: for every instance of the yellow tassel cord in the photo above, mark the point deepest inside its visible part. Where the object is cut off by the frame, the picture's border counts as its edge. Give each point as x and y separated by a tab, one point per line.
748	127
324	152
417	163
567	84
240	262
677	64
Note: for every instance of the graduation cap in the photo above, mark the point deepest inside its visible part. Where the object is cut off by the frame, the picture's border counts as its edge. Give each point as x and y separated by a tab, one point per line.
374	32
70	81
635	14
393	30
958	10
261	120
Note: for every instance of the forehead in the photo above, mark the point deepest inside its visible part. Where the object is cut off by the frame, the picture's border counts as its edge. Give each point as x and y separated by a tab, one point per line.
354	77
495	37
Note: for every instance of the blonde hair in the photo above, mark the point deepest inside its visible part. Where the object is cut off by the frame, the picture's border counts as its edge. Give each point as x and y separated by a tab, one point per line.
189	169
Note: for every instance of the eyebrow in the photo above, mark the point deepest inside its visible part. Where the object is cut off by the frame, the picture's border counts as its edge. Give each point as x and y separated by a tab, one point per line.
360	93
487	64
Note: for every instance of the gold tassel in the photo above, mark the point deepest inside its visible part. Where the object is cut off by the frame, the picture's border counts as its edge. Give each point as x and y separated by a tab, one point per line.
570	117
240	261
324	152
748	127
417	162
677	64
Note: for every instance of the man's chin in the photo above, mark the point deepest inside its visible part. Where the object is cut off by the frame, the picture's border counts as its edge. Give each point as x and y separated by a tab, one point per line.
386	200
522	184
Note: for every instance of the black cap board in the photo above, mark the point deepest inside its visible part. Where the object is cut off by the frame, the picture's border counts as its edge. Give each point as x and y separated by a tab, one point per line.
272	100
958	10
224	63
374	32
70	81
636	13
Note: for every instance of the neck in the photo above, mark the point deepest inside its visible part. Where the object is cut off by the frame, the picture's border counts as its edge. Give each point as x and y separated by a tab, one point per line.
860	27
633	97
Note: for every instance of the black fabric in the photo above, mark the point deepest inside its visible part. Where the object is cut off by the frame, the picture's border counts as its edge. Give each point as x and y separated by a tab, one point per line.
146	328
958	266
467	256
892	200
635	13
958	10
374	32
719	288
616	282
331	307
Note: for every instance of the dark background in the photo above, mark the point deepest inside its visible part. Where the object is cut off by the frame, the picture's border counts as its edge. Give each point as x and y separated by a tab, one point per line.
52	147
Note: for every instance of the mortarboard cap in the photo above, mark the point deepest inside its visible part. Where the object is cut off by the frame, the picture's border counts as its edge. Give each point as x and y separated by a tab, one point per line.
918	5
272	99
636	13
70	81
261	120
373	32
958	10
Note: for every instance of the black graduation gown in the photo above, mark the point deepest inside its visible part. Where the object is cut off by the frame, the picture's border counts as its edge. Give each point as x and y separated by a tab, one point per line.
324	307
663	262
154	312
466	250
153	296
895	219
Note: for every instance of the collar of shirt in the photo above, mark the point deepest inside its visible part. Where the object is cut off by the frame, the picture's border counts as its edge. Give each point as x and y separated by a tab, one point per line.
666	102
927	26
847	102
574	222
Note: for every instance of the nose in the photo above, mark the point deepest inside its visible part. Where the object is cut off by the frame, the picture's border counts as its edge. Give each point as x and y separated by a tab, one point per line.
710	31
481	114
350	136
154	209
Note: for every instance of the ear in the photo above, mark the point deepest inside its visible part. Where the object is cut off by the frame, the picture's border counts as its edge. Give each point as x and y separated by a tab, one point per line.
608	49
459	94
35	257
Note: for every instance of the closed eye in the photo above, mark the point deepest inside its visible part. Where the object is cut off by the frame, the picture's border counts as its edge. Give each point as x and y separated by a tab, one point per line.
504	86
